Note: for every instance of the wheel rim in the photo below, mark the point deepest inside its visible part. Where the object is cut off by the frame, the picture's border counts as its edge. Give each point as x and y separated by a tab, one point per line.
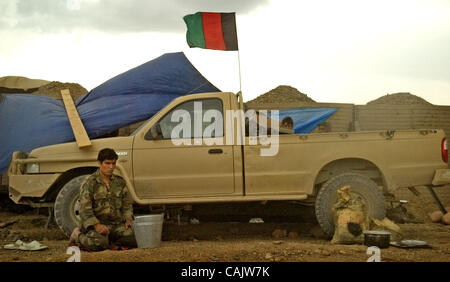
76	206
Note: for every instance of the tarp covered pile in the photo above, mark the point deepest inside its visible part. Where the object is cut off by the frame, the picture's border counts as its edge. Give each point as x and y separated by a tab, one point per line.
28	122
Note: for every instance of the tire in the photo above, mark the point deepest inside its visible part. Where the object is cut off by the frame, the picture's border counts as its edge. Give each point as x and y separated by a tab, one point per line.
67	205
360	186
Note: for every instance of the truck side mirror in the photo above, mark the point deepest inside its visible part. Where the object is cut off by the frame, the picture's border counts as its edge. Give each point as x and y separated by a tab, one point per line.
155	133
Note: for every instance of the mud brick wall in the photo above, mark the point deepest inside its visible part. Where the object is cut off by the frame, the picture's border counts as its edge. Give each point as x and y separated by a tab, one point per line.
397	117
350	117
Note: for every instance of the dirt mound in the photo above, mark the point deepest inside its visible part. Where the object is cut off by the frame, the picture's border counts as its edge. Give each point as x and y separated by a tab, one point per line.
402	98
53	89
281	94
20	83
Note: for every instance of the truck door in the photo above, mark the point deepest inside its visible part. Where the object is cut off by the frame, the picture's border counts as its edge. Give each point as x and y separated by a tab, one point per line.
164	169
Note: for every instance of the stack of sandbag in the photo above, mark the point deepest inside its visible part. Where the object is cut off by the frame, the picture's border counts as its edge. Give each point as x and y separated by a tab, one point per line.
350	218
439	216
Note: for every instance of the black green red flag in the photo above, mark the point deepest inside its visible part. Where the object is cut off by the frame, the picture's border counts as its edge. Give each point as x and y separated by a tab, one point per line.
212	31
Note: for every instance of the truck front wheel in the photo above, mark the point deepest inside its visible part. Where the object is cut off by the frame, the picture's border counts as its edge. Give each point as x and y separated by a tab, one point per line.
360	186
67	205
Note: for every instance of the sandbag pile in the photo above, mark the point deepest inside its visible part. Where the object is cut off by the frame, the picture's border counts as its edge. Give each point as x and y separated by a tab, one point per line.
351	220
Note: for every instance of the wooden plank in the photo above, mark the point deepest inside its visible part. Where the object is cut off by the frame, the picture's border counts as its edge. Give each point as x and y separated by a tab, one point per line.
78	129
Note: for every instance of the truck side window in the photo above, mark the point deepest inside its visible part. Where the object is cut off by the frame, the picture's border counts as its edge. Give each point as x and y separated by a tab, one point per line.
211	107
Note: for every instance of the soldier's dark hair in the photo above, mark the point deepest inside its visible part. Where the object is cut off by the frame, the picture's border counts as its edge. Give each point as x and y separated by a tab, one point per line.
287	120
107	154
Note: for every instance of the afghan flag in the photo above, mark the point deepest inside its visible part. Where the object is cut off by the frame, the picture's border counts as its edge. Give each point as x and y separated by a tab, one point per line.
212	31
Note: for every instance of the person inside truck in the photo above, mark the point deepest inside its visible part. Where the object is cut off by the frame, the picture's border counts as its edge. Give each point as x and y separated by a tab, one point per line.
106	209
288	123
323	127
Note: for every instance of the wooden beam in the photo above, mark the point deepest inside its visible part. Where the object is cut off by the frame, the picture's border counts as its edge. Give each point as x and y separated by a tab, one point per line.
78	129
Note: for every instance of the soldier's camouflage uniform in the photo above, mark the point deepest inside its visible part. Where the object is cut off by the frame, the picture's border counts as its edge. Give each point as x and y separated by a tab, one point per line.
106	205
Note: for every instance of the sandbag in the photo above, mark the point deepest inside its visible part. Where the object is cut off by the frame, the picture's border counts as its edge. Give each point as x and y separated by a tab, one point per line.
387	225
350	218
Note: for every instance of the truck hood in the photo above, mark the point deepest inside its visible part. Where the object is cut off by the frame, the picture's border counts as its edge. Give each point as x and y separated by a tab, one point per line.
71	149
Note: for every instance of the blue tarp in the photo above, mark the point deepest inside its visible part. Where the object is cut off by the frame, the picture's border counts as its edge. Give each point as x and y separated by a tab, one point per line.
306	119
28	122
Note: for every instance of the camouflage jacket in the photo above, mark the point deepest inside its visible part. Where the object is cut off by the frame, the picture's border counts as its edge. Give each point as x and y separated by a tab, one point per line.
102	204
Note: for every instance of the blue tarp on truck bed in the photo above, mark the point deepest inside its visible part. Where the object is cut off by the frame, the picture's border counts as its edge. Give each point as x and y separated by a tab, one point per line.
306	119
28	122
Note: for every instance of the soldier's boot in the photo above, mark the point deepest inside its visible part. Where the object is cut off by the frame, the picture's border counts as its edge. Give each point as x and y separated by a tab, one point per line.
93	241
127	241
123	236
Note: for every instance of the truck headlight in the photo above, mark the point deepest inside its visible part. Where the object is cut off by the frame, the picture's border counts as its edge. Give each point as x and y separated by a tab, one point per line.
32	168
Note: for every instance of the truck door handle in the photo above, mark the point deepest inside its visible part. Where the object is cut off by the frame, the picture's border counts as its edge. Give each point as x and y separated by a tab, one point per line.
215	151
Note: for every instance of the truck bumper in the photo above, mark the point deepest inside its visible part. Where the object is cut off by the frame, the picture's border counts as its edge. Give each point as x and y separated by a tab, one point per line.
28	185
441	177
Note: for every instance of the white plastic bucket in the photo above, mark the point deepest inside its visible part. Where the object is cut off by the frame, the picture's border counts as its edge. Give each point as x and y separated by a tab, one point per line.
148	230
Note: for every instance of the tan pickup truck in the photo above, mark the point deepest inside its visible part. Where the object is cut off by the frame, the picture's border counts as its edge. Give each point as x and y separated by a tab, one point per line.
209	168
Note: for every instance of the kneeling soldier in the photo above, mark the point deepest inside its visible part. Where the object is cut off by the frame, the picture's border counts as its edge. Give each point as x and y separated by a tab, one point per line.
106	208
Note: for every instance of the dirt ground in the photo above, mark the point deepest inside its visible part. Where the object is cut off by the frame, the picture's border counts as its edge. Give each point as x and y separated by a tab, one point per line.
223	241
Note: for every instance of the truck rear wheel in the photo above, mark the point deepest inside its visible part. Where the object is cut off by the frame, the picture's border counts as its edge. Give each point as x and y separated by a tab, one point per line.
67	205
360	186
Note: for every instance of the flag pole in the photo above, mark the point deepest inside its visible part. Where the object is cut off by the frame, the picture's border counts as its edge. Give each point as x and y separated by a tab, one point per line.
239	54
240	96
241	103
240	79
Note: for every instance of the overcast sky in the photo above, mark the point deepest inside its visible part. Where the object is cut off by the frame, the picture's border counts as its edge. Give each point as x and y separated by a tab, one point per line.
348	51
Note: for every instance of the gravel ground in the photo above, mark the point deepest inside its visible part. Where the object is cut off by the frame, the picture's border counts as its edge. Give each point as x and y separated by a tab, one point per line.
224	241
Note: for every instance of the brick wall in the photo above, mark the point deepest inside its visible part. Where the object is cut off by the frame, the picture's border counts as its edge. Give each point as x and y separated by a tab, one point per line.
397	117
